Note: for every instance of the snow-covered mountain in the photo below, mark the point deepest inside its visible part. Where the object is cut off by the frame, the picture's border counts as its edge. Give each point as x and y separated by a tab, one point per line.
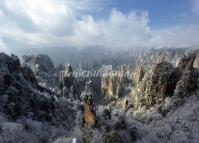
158	103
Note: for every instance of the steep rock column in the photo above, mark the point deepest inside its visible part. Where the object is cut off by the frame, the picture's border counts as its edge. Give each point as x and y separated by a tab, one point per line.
138	74
89	119
113	85
188	75
66	80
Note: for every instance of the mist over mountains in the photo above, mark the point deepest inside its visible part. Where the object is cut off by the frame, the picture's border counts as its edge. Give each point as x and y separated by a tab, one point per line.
98	55
76	56
41	102
99	71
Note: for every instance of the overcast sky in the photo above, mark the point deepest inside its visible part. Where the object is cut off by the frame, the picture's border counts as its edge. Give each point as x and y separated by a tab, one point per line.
105	23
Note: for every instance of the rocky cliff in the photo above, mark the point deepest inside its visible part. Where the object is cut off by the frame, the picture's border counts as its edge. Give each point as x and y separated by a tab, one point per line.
162	107
22	96
154	56
44	70
114	84
164	80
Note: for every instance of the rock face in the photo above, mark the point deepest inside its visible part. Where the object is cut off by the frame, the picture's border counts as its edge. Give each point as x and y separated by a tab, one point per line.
66	77
39	63
89	118
28	74
196	63
188	75
113	84
155	56
164	80
7	65
186	63
43	69
66	81
138	74
108	86
21	96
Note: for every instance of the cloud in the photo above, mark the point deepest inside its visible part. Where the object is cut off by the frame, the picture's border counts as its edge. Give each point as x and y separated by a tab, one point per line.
195	7
119	31
3	47
60	23
178	36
